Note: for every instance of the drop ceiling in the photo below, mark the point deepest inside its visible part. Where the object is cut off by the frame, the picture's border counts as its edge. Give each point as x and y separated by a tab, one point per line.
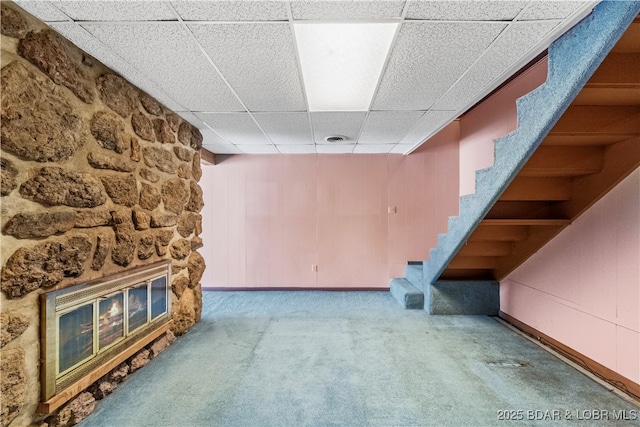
232	69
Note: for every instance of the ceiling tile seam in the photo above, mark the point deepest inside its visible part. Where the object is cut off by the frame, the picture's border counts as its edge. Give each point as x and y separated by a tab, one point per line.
502	32
143	75
453	117
299	67
384	66
519	14
215	67
218	71
494	83
515	66
434	132
224	22
309	21
366	117
342	21
473	64
571	20
424	115
217	133
405	10
125	21
398	140
520	62
69	19
525	21
458	21
524	59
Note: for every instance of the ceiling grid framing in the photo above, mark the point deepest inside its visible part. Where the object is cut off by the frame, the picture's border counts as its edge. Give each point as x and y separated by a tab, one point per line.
302	82
95	18
215	67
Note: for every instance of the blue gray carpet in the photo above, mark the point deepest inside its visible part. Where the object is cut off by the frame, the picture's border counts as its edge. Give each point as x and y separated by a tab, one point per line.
350	359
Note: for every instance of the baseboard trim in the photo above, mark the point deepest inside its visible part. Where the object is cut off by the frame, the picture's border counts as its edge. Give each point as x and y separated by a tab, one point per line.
613	378
287	288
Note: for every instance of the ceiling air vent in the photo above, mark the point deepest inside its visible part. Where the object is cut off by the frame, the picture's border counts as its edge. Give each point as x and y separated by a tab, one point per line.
335	138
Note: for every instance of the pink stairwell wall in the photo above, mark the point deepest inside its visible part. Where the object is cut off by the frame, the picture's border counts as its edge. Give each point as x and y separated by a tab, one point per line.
492	119
583	287
269	218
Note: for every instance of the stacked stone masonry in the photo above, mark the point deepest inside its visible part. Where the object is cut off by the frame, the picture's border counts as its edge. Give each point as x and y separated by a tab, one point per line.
97	178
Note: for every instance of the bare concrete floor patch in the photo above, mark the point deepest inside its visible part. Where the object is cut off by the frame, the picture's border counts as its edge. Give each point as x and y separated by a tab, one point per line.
353	359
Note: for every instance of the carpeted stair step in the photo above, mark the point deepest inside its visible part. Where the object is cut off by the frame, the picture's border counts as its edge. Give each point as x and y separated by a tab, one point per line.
406	294
413	274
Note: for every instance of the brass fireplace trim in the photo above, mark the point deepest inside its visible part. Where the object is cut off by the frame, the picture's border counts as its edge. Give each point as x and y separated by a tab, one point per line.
54	384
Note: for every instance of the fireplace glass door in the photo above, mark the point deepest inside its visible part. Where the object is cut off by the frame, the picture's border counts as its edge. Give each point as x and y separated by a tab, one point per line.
110	320
138	310
75	336
158	297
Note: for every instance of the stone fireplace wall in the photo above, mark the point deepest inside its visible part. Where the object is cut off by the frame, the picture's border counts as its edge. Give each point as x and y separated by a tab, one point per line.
97	178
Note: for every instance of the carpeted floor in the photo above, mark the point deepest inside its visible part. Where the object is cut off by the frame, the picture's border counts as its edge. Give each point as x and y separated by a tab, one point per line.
351	359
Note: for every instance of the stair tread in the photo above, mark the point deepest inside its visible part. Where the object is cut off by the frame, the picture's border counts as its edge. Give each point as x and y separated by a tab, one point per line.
406	294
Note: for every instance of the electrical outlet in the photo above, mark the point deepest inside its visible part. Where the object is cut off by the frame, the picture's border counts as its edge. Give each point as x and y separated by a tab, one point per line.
393	209
314	268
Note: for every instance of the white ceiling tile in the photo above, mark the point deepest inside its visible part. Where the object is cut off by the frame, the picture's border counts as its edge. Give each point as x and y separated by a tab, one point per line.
297	149
43	10
439	10
259	149
516	41
428	58
85	41
286	128
401	149
373	148
236	128
427	126
335	149
210	137
346	124
550	9
100	10
221	10
387	127
258	61
222	149
190	117
344	10
169	56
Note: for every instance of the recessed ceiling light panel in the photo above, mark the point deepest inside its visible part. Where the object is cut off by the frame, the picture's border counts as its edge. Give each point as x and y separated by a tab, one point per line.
342	62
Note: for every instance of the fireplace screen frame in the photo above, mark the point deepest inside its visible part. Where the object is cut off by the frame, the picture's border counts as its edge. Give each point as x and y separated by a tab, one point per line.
60	302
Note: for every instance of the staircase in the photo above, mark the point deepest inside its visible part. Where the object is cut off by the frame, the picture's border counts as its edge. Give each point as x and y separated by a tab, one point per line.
578	136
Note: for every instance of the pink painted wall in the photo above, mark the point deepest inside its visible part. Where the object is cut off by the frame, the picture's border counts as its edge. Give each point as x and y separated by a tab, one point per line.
583	288
268	219
492	119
